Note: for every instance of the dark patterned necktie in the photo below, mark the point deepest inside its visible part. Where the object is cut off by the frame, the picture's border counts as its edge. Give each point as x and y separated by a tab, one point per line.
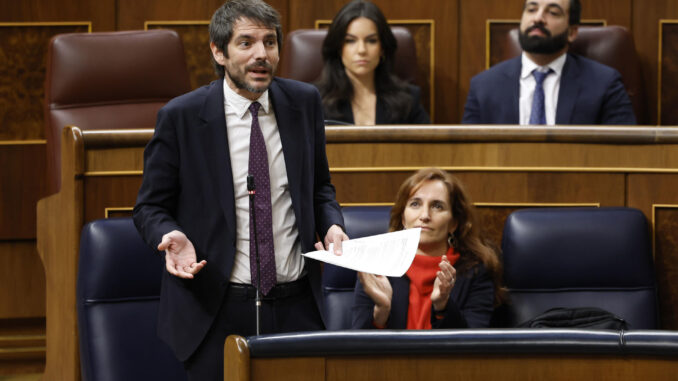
538	113
258	167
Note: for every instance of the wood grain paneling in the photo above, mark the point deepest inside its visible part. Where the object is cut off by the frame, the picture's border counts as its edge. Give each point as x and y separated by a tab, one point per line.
287	369
133	14
23	52
647	189
22	184
468	156
646	16
486	368
528	186
497	41
470	367
497	194
22	280
668	70
60	219
100	13
109	192
114	162
614	12
23	369
666	263
492	219
196	40
473	16
653	194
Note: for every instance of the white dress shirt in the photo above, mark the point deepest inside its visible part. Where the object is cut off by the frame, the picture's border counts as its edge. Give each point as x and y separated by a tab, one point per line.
551	87
288	260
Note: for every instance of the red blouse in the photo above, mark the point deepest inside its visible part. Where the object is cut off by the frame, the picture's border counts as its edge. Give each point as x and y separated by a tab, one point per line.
422	274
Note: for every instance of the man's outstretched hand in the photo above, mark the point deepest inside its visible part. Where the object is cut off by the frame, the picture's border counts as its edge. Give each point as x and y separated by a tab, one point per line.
180	258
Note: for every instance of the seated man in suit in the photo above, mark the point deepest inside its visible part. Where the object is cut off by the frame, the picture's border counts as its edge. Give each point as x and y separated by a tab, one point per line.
545	84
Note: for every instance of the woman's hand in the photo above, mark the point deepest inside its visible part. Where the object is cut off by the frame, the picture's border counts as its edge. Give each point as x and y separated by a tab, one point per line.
443	284
379	289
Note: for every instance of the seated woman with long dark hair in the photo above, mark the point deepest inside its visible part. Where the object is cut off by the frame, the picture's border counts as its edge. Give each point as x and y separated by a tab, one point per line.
455	278
357	85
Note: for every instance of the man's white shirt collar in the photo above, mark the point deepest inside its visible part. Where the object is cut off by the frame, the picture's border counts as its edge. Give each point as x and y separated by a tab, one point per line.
528	65
240	104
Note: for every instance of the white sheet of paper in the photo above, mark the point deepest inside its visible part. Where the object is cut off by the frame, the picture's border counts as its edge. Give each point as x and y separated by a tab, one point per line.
389	254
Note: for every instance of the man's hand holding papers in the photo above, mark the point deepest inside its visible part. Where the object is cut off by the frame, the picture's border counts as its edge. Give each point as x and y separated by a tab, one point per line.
389	254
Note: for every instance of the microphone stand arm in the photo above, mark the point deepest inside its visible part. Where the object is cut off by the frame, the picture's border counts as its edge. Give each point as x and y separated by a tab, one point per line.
251	191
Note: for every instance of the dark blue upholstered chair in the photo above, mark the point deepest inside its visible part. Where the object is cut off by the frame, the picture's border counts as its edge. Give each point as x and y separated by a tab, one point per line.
580	257
117	296
337	282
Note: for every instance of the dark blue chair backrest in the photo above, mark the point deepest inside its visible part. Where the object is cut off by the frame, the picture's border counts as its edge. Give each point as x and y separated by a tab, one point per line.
117	297
337	282
580	257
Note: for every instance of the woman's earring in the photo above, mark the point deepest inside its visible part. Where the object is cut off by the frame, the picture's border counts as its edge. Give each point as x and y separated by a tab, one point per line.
451	240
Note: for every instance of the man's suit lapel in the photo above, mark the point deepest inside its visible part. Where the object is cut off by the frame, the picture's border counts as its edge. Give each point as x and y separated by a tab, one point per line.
292	136
511	85
215	143
569	91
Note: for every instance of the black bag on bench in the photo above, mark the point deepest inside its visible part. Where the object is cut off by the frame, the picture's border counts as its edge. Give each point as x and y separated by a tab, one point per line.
583	317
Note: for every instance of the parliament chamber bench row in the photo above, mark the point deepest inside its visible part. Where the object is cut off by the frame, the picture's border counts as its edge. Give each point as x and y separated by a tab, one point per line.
150	70
566	257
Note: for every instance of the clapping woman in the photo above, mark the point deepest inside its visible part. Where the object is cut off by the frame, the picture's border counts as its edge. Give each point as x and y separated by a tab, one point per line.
455	278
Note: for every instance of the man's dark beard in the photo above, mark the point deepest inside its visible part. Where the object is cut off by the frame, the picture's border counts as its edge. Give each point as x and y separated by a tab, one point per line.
244	86
542	45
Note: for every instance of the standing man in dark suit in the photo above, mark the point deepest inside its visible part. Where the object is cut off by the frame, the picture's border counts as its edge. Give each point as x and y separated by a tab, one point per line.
193	202
547	85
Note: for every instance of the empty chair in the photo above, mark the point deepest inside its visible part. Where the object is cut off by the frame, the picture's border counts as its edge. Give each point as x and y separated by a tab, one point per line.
337	282
302	55
111	80
580	257
118	293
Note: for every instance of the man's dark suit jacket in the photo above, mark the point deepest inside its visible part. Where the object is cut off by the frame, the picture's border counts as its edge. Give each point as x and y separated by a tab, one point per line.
590	93
188	186
470	305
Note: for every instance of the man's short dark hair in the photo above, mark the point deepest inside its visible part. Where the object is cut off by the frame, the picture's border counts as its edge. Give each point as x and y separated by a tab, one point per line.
575	12
224	18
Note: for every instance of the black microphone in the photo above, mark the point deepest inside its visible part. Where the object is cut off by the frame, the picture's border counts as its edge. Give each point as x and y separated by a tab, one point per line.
251	191
251	188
